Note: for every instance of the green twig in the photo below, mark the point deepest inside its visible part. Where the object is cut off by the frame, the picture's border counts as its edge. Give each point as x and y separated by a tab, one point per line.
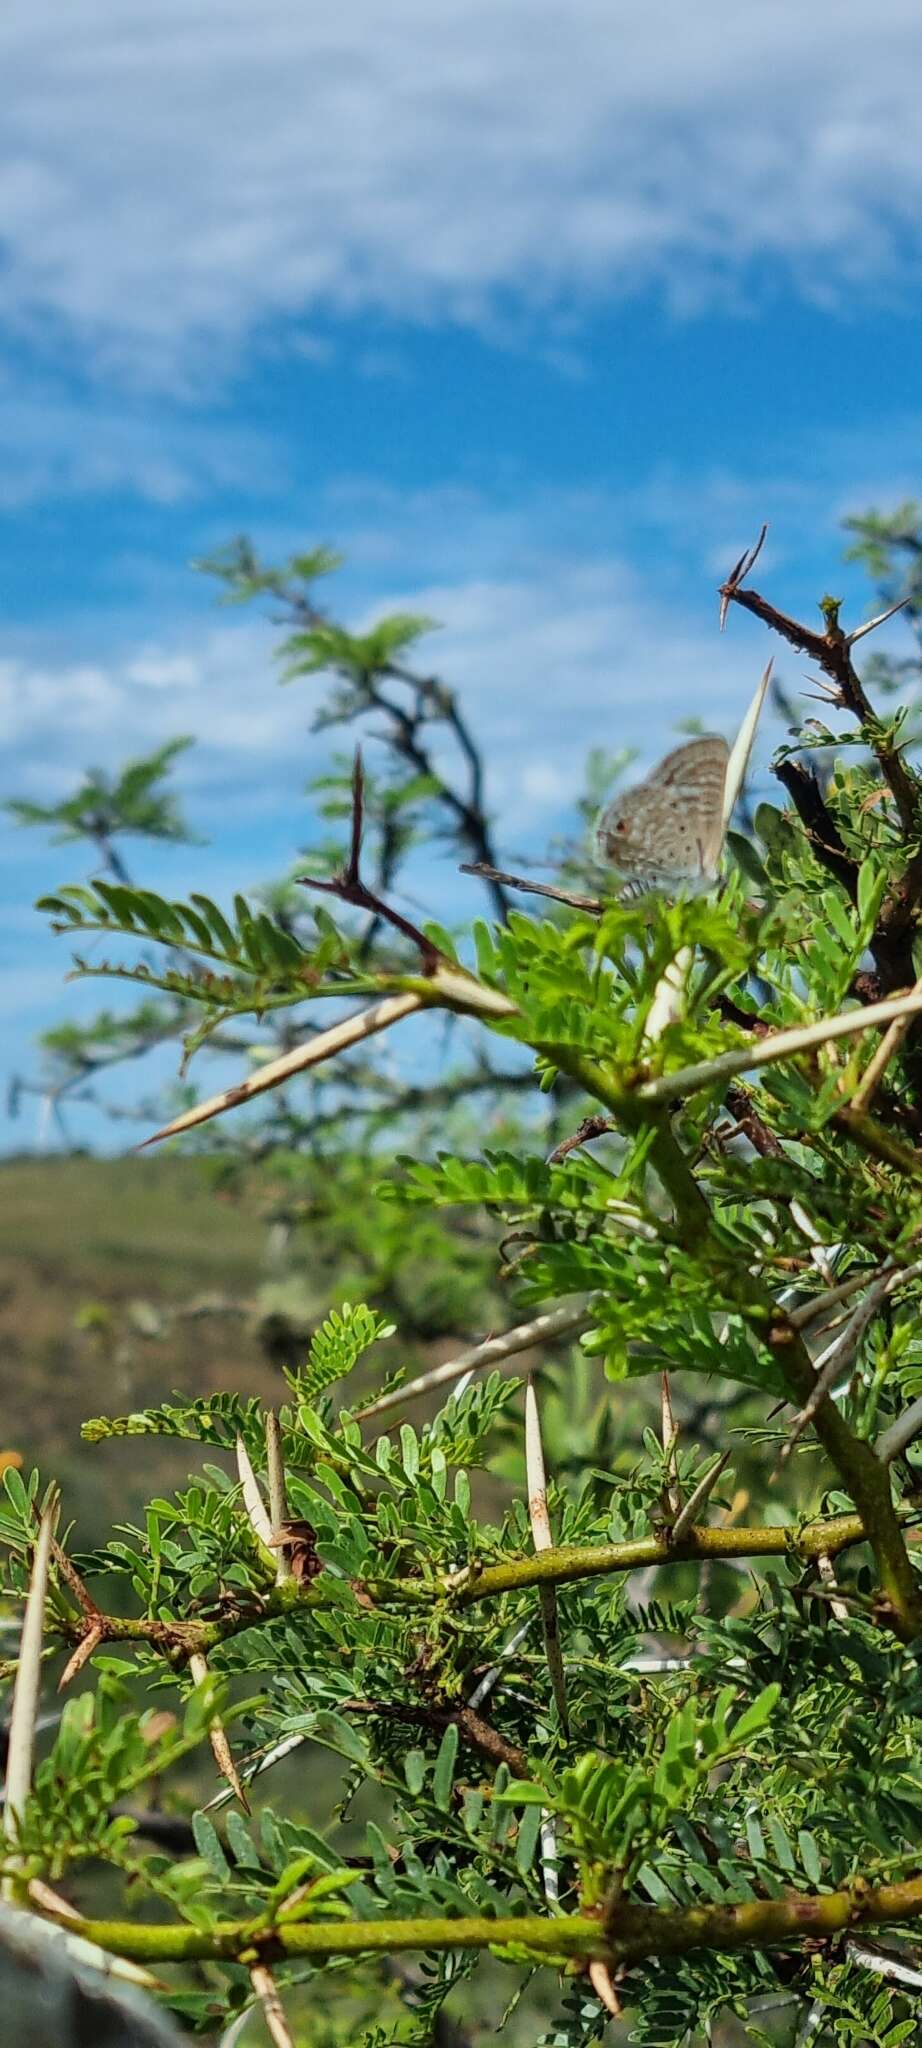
631	1934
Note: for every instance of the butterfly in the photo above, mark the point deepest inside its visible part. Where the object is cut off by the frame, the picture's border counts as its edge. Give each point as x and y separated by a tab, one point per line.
667	832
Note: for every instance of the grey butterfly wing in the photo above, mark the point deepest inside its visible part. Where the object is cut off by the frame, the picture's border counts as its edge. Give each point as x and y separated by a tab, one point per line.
692	779
669	828
699	768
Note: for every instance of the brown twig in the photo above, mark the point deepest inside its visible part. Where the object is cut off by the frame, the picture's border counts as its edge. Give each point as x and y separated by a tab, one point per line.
72	1580
592	904
591	1127
831	650
480	1734
432	699
741	1106
349	887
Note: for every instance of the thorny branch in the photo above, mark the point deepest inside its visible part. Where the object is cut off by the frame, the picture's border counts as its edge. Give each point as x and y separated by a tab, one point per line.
831	650
563	1565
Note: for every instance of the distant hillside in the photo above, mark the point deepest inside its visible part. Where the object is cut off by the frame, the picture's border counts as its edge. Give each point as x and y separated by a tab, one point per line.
93	1254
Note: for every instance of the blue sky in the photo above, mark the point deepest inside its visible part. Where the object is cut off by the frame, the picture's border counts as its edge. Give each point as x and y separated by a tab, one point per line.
535	313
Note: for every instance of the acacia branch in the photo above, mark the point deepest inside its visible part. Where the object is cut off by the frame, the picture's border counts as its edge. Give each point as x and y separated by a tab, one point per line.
891	942
633	1932
777	1045
564	1565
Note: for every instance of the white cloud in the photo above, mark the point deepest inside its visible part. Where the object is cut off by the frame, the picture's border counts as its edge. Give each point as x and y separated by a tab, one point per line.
549	659
172	178
57	715
553	640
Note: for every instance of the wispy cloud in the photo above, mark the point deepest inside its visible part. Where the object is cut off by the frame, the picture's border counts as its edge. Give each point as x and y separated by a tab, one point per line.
175	178
59	442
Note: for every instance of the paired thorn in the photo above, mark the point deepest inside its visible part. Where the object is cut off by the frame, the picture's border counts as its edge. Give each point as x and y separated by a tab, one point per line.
739	573
600	1978
840	1355
259	1520
266	1990
542	1537
900	1434
82	1654
827	1573
878	1064
351	1031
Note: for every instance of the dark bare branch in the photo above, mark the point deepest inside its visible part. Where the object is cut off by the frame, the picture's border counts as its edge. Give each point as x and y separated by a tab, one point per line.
348	886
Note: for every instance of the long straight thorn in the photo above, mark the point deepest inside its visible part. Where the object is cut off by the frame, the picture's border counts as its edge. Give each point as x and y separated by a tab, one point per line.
871	624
